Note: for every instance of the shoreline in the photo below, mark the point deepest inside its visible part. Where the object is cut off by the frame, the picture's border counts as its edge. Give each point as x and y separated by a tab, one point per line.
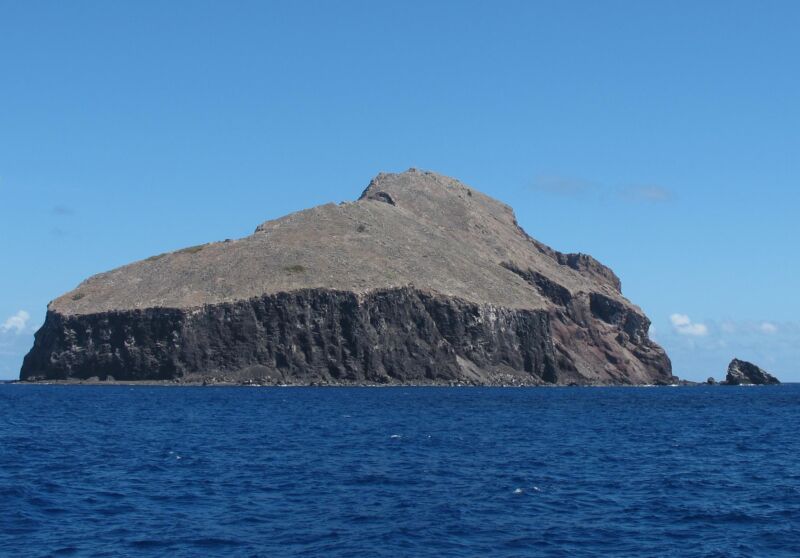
174	383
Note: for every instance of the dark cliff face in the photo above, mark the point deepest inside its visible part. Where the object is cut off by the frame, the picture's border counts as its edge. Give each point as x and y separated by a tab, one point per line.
423	280
320	336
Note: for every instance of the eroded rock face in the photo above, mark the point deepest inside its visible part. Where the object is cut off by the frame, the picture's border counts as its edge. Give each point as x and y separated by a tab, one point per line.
422	280
743	372
303	337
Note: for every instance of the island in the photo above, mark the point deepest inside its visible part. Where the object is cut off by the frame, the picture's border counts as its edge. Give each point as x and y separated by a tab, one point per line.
423	280
741	372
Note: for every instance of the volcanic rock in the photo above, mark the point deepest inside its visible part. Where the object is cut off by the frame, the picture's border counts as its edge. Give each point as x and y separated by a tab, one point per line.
743	372
421	280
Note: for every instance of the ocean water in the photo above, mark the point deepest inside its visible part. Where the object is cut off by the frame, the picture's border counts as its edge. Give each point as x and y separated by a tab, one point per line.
341	472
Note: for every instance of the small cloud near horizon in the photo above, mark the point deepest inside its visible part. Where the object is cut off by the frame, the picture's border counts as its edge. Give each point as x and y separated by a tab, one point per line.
767	327
562	186
648	193
63	210
575	187
16	323
683	325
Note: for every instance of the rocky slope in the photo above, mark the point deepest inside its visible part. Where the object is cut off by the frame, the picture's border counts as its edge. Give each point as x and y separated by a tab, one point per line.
422	280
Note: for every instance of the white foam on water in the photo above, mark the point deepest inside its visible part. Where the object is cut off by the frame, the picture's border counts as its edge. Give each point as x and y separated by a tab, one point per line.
395	436
518	491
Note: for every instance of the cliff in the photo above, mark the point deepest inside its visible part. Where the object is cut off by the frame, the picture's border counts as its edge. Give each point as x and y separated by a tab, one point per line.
421	280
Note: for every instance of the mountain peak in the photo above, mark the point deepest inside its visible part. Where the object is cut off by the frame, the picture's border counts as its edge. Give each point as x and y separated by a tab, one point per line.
435	196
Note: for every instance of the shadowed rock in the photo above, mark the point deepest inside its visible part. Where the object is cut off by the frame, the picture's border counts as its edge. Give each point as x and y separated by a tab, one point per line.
422	280
743	372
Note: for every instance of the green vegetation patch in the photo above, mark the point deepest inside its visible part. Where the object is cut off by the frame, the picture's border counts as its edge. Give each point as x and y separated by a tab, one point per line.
191	249
294	269
78	296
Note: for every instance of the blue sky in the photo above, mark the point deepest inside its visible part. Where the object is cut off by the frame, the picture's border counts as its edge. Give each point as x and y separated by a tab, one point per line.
660	137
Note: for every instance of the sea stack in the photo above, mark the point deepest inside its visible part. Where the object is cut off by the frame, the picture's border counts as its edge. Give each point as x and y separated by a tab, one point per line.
422	280
743	372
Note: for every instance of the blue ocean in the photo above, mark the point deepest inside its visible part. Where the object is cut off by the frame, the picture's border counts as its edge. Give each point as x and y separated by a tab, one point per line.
444	472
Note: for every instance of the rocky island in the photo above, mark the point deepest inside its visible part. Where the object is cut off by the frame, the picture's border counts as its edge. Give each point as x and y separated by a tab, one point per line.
422	280
741	372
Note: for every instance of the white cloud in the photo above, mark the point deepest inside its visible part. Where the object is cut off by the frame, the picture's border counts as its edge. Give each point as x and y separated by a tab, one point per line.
682	324
648	193
767	327
574	187
563	186
16	323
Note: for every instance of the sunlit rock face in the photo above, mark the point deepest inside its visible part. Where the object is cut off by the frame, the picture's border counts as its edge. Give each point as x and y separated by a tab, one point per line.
742	372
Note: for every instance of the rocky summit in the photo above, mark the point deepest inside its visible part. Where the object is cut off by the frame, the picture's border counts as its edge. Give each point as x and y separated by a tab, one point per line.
422	280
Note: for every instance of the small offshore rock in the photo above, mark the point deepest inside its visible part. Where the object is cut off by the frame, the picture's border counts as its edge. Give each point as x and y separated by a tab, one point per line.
743	372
